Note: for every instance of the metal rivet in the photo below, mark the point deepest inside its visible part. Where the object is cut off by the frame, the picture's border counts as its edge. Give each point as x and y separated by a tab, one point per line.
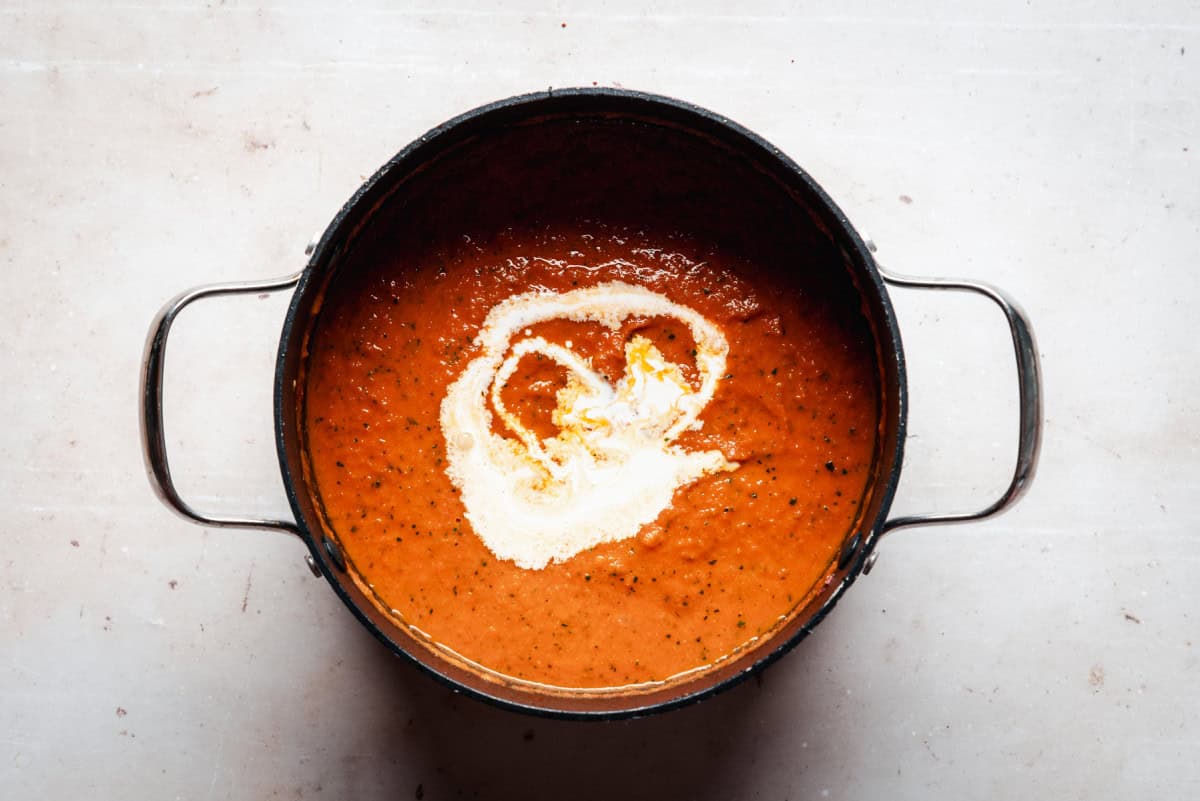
335	554
312	564
848	550
870	563
312	244
870	243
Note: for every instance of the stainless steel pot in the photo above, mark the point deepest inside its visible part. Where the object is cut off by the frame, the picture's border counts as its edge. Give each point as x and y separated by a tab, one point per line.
580	106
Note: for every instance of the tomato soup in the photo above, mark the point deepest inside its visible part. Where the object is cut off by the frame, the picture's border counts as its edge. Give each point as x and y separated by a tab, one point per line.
591	426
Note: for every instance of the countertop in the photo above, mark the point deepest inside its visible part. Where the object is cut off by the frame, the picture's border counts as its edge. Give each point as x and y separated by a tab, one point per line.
1051	149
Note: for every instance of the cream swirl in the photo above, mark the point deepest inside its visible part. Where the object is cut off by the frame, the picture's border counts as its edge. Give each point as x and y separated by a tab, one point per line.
612	467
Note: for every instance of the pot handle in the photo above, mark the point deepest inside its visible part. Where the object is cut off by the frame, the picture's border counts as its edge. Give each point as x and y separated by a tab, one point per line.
1029	389
154	441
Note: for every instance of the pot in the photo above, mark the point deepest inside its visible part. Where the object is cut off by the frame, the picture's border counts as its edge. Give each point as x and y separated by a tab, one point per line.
469	134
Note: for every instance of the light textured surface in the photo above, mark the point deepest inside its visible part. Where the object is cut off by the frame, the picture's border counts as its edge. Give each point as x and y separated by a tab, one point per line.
1051	148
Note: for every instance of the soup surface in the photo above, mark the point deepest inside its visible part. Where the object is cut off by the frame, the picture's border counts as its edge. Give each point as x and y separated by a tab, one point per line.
589	450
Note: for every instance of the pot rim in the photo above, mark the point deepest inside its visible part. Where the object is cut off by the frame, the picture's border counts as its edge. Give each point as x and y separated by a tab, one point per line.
889	353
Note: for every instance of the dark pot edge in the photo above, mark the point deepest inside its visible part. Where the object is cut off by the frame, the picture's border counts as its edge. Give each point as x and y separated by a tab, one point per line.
888	474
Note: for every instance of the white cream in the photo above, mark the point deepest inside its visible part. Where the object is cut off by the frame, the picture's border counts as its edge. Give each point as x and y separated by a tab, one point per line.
611	468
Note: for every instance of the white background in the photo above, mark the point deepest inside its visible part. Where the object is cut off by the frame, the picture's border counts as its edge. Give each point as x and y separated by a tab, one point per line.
1050	148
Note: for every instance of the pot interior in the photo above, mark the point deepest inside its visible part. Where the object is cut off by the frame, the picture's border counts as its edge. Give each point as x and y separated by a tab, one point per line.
576	166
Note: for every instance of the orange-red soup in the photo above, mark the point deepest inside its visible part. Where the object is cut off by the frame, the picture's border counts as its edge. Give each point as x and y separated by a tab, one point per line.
733	555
